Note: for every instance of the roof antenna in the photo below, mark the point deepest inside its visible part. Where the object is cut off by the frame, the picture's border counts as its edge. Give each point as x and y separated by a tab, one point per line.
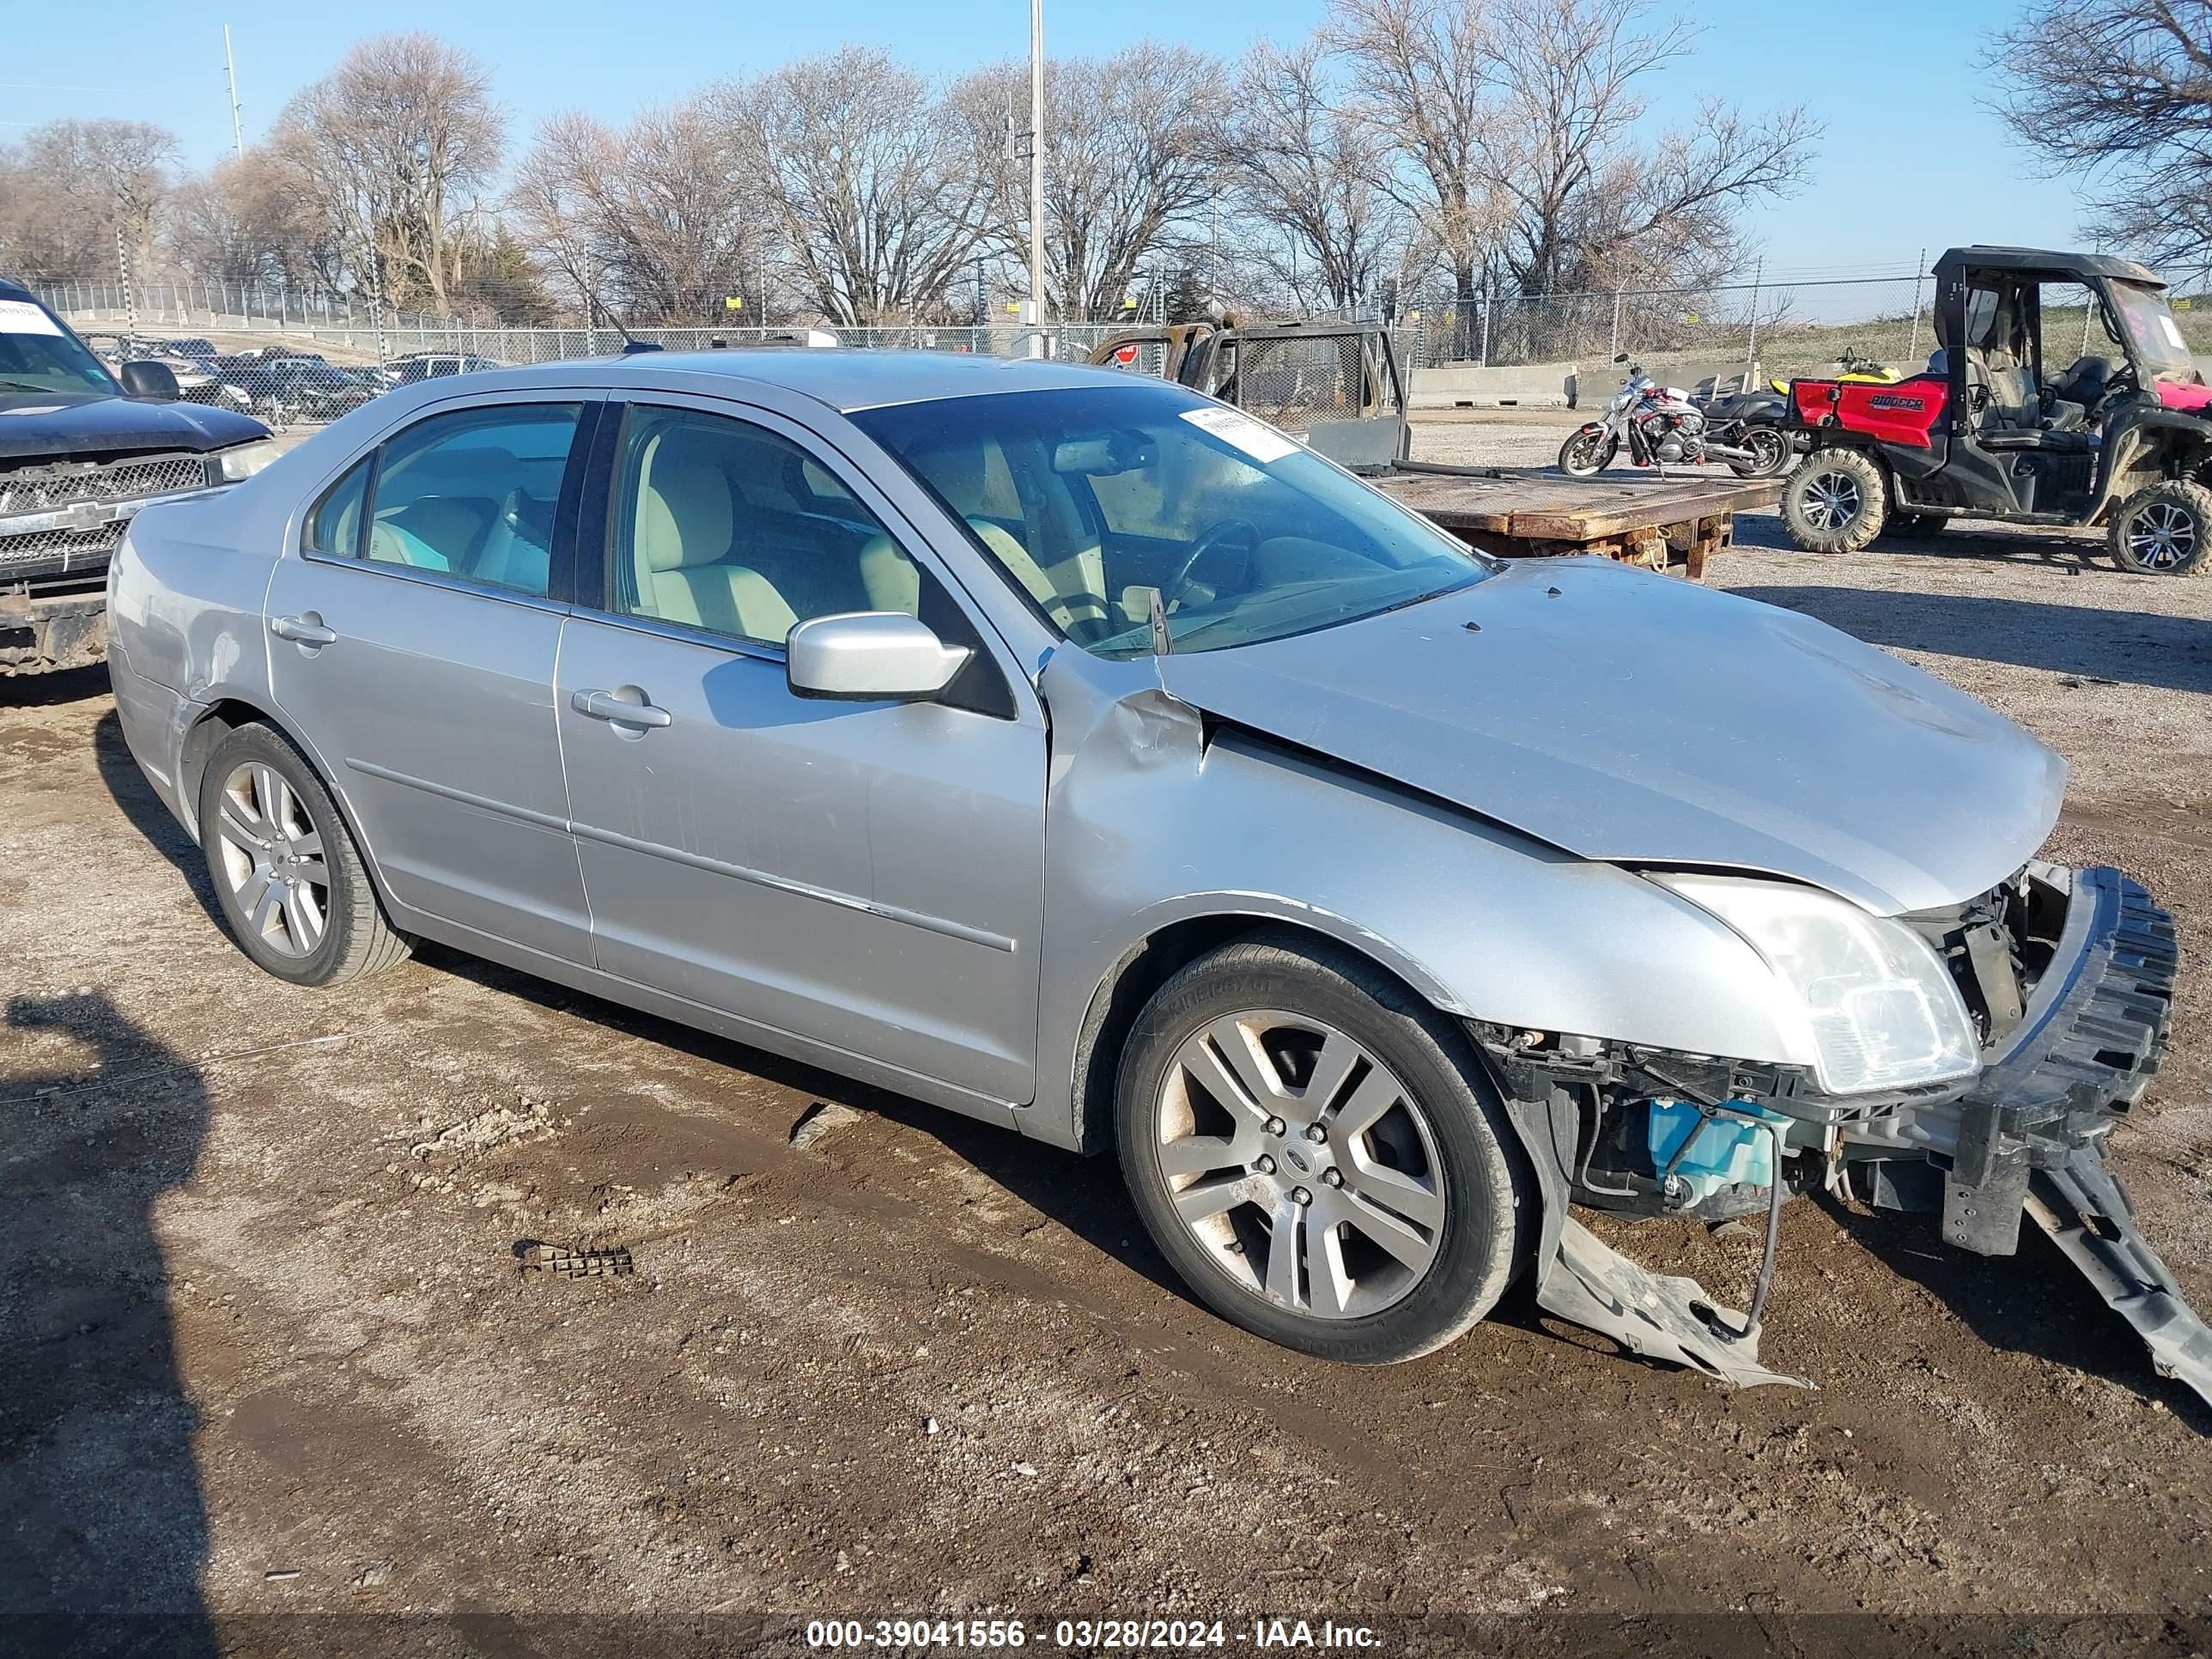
631	344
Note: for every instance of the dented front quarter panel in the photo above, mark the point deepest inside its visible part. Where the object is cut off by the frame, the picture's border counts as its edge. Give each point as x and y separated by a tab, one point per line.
1153	818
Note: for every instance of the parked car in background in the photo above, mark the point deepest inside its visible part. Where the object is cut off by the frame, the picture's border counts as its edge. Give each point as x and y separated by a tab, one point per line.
286	390
1075	751
437	365
83	447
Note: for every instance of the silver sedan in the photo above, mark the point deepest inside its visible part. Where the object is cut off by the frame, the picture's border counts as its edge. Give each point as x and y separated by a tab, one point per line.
1077	753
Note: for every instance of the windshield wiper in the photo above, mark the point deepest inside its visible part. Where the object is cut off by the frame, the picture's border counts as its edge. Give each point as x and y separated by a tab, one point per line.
24	385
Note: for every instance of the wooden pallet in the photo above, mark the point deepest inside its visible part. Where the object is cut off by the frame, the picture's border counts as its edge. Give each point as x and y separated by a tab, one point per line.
1665	524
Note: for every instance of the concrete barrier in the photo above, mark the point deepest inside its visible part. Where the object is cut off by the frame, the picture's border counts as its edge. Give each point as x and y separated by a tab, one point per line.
1473	385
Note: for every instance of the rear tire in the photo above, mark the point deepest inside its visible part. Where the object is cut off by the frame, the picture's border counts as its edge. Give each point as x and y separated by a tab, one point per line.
1319	1153
1771	446
2163	531
289	881
1835	501
1588	452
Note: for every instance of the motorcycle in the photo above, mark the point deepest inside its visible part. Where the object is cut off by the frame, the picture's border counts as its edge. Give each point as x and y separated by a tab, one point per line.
1745	417
1661	427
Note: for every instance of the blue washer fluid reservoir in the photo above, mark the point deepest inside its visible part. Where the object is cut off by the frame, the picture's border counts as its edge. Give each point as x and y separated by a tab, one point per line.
1722	1154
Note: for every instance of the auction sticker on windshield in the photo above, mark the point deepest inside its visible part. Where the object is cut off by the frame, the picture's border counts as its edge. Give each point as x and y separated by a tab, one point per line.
1262	443
20	317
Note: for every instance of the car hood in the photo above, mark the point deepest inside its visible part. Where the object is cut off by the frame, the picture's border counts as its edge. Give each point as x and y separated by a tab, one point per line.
50	423
1641	719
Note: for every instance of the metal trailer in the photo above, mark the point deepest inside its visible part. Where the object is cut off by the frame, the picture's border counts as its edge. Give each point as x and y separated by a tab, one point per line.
1336	387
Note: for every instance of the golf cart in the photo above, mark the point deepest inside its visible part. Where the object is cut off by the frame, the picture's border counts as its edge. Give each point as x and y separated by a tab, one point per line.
2063	393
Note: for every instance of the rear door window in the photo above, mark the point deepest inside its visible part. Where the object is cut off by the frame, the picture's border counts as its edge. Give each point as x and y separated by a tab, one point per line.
334	523
473	493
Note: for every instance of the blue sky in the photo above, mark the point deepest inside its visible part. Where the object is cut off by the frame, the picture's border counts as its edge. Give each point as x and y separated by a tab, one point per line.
1909	161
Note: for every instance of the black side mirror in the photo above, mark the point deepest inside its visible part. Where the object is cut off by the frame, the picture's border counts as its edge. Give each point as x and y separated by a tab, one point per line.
1620	356
144	377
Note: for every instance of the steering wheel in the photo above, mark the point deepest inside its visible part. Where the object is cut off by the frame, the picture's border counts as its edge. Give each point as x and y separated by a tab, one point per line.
1213	536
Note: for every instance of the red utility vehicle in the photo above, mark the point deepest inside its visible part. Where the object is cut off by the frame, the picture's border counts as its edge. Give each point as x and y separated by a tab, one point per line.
2117	438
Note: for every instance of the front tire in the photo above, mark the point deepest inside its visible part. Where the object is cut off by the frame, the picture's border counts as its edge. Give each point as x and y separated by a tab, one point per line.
288	878
1588	452
2163	531
1835	501
1319	1153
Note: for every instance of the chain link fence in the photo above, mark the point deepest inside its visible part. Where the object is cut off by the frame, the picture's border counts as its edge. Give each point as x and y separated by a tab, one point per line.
1784	328
292	360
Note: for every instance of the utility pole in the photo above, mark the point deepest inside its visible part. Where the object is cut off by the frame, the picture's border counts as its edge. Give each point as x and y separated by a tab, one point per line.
1751	351
1037	176
230	69
1912	348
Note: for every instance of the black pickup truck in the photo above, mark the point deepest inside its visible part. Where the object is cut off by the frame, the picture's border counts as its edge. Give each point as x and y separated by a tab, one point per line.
80	450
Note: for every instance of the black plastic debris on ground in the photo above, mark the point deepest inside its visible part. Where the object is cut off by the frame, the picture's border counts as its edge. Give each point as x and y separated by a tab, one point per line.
533	1254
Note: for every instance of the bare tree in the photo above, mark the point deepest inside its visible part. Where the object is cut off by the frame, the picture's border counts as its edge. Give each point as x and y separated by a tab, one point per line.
1135	146
2121	91
1593	206
1310	179
391	143
870	179
1517	126
247	222
656	220
1419	73
71	187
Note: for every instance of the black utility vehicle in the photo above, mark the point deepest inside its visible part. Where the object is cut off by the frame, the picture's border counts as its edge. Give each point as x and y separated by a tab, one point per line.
82	449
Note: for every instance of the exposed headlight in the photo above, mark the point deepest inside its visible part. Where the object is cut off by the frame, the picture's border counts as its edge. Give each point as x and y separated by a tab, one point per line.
1880	1010
246	460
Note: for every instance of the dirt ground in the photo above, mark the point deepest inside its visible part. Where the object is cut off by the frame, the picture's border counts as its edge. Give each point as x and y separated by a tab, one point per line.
270	1376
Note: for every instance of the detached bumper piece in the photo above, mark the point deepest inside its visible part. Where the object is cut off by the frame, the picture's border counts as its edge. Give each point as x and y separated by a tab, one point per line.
2086	1212
2031	1132
1657	1316
2093	1036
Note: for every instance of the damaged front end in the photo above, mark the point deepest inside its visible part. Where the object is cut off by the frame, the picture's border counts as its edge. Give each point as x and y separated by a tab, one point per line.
2068	976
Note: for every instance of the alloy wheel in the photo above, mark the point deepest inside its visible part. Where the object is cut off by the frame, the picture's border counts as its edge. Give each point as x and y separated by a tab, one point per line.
1769	449
272	856
1831	501
2162	536
1300	1164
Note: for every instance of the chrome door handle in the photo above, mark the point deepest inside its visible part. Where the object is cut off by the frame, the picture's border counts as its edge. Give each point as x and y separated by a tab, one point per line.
299	630
605	705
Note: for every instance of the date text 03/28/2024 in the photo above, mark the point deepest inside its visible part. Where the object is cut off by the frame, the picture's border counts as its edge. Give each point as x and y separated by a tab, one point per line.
1087	1635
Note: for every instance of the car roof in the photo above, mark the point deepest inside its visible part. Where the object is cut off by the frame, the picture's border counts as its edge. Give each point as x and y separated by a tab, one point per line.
1982	256
844	378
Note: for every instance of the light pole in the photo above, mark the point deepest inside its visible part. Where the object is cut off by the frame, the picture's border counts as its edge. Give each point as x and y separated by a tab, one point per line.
1036	177
230	70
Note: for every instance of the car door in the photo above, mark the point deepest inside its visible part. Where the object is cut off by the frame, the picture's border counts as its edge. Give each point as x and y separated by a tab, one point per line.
412	633
867	877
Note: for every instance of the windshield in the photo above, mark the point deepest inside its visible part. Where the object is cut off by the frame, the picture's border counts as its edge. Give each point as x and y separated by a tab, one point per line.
37	355
2151	328
1101	503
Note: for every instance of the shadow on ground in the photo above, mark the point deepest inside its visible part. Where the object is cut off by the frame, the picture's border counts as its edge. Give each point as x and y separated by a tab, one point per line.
102	1528
48	690
1986	543
2033	1302
2126	647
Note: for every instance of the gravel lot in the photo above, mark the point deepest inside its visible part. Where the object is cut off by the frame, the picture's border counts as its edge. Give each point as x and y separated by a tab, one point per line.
267	1355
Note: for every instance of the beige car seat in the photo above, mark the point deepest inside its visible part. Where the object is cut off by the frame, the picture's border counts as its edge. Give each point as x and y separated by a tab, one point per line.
684	544
1072	589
